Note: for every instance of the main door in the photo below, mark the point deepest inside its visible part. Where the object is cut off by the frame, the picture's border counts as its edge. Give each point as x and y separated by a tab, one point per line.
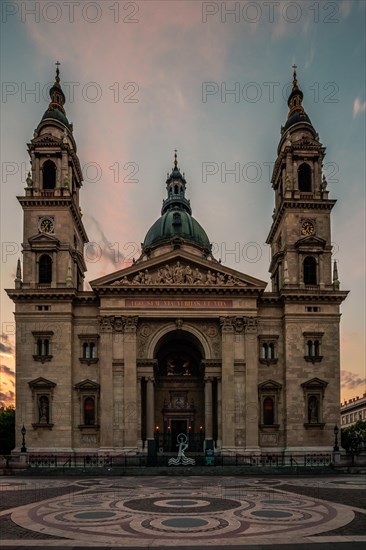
177	427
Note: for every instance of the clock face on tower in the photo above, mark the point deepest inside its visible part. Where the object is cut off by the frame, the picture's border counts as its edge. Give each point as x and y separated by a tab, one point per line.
46	225
307	229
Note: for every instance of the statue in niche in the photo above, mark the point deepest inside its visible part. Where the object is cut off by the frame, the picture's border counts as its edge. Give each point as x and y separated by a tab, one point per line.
313	410
43	409
170	368
185	367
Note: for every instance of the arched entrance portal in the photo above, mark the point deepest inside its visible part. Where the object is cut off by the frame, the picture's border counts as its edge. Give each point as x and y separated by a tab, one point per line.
179	392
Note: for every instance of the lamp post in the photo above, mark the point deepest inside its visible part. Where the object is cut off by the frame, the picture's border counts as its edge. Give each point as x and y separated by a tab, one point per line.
23	431
336	430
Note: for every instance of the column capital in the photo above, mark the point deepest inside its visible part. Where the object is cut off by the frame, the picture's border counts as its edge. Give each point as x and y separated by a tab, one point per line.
227	324
251	325
111	323
208	379
130	324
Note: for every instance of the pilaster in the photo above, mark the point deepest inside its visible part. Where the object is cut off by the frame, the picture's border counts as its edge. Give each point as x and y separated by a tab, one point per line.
228	383
251	385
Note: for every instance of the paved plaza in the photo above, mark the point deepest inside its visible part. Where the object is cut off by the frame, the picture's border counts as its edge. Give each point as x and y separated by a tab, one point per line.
183	512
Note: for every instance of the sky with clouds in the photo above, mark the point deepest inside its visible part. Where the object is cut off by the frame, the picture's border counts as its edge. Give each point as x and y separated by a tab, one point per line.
211	79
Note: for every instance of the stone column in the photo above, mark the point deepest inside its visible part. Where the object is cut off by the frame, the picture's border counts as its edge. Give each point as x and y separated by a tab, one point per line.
208	409
251	385
129	383
150	420
228	385
106	383
219	413
138	393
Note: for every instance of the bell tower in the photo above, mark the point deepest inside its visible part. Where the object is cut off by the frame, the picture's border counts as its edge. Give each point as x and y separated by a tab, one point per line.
300	235
54	234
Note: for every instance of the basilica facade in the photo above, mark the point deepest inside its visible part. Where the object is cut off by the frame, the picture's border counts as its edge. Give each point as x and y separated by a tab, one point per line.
177	342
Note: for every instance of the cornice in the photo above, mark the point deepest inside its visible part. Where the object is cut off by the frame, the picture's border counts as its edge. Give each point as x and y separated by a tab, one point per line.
178	290
298	204
56	202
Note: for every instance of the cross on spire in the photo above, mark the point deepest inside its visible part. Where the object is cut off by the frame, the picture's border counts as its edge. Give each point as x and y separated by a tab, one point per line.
175	158
57	72
294	80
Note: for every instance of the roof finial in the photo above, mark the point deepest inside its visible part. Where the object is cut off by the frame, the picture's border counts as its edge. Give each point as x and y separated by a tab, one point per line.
57	77
175	158
294	78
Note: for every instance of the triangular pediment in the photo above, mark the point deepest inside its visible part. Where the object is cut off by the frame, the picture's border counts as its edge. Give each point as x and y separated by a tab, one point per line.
311	242
87	385
46	140
314	383
178	269
43	238
41	383
269	385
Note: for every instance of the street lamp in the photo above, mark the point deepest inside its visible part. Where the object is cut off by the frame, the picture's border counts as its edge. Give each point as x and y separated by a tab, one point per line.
336	430
23	431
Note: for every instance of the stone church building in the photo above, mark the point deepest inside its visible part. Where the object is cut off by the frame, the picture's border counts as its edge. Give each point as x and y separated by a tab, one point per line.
177	342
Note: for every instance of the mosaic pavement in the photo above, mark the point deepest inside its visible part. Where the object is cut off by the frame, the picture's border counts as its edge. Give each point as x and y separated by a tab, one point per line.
177	511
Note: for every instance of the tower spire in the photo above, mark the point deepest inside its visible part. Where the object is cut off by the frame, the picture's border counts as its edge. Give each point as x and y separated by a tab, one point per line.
56	109
56	93
294	77
296	111
18	276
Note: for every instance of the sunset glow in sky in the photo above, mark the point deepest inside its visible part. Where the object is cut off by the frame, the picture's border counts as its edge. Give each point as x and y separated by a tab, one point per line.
211	79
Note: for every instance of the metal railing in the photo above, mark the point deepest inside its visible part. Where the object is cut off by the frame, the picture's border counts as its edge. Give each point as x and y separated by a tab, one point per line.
267	460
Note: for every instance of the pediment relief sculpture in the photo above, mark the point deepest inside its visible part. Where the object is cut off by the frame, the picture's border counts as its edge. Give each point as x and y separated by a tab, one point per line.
180	274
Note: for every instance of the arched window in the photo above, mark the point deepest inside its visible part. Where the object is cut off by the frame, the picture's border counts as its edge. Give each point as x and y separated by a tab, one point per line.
39	346
46	347
93	350
86	354
316	348
268	411
45	269
49	175
89	411
271	351
264	351
176	189
310	271
304	178
309	346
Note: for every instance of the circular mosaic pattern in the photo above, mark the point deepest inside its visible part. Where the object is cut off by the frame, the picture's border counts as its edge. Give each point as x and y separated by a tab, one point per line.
179	503
208	505
271	514
195	513
95	515
184	522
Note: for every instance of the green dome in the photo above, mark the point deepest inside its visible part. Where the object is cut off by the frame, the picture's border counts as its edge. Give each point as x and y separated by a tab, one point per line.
176	222
55	114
